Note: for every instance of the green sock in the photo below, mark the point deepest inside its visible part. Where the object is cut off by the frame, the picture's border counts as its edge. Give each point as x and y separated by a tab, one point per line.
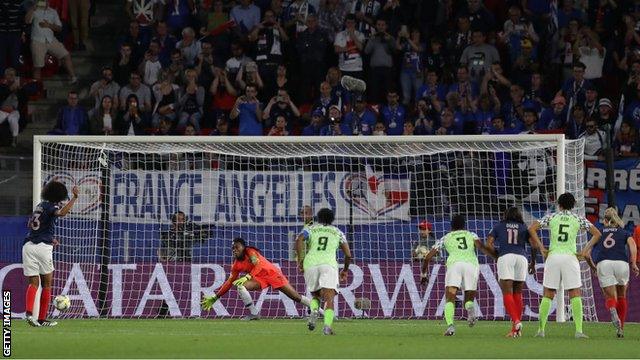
328	317
314	304
468	305
545	307
576	309
449	308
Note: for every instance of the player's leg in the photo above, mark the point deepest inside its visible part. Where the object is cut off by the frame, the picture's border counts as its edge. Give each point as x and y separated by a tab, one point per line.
470	274
576	310
314	306
517	299
545	307
469	305
509	302
550	282
245	296
570	275
32	290
294	295
449	309
45	299
327	296
621	306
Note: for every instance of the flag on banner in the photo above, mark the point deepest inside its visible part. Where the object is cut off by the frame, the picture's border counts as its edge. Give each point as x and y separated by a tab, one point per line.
386	195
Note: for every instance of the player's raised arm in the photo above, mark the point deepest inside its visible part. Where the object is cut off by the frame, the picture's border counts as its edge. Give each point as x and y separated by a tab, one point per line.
67	207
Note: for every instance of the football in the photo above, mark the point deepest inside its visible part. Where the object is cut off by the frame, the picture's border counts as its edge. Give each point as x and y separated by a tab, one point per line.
421	251
62	302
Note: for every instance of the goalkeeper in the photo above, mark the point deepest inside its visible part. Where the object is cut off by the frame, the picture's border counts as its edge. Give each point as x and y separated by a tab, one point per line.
259	273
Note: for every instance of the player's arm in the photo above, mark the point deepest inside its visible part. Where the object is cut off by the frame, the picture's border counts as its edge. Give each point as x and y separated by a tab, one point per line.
67	207
488	248
535	240
633	255
304	235
424	270
344	246
208	301
595	237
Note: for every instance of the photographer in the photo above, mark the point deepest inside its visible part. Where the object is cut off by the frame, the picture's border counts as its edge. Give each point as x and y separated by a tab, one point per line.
176	243
280	105
247	110
105	87
380	48
336	126
411	69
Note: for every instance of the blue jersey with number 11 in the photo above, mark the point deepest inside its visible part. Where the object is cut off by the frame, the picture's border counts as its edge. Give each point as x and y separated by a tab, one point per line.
42	223
510	237
612	245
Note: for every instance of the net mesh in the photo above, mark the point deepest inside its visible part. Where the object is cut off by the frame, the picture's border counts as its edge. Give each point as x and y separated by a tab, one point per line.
126	252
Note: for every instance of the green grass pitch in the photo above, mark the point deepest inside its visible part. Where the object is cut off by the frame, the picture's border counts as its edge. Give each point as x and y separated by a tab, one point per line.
198	338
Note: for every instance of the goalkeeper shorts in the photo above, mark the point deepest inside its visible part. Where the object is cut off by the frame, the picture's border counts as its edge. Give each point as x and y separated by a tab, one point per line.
273	278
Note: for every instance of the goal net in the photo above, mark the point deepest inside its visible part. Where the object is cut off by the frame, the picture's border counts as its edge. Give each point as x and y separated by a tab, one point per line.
151	231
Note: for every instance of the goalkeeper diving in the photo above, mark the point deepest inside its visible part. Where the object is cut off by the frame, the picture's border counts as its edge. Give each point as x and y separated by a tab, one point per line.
259	273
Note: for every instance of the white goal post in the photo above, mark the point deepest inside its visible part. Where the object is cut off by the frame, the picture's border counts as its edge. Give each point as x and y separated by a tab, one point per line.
119	259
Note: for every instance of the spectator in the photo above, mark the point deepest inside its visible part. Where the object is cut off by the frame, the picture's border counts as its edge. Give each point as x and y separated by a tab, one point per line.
101	122
338	92
205	63
190	130
280	105
447	126
189	47
361	119
123	65
217	17
365	12
576	125
595	141
459	39
331	16
411	68
336	126
530	120
575	87
494	78
72	118
464	86
140	90
103	87
348	44
627	144
296	15
498	126
237	60
144	13
606	115
11	26
166	41
9	104
537	92
165	128
249	75
592	53
138	40
167	95
479	56
516	29
632	109
554	117
222	127
479	16
178	13
380	48
408	128
45	22
280	127
222	90
79	16
433	92
246	15
176	67
424	118
150	67
191	102
488	106
326	99
379	129
434	59
567	13
513	110
248	111
312	46
316	125
393	114
269	38
131	121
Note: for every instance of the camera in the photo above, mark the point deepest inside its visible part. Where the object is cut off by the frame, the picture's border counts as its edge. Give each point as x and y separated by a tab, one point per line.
280	98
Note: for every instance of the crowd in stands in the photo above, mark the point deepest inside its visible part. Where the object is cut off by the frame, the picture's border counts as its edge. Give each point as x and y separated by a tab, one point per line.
432	67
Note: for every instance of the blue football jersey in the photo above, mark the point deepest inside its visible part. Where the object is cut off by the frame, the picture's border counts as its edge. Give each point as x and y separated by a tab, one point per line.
42	223
510	237
612	245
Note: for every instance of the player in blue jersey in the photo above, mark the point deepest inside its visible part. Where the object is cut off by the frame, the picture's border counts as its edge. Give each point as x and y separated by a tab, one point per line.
506	242
612	259
37	251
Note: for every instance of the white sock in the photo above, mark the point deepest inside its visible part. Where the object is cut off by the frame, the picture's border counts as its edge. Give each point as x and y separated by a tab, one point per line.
305	301
247	300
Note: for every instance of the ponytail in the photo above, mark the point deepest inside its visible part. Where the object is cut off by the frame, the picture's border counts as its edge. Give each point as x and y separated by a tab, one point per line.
612	218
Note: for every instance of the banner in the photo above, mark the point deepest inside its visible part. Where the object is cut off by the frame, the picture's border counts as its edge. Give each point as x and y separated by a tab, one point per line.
392	288
627	190
243	197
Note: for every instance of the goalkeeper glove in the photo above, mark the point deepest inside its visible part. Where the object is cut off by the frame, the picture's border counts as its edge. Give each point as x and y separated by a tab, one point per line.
242	280
208	301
